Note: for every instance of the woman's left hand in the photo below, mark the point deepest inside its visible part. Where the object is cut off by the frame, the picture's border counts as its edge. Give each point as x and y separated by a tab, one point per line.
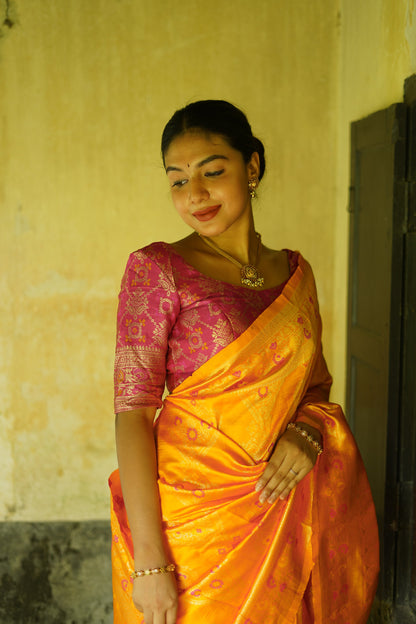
291	460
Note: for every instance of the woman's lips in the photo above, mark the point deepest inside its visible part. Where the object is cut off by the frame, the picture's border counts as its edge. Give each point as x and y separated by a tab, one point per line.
206	214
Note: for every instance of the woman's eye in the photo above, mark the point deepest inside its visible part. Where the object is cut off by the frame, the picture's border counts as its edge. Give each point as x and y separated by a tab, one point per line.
178	183
214	173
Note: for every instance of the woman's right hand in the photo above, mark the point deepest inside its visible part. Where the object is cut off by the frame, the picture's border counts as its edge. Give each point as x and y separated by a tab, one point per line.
156	596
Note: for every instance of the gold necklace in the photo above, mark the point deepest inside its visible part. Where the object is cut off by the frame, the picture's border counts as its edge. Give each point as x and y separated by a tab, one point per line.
249	275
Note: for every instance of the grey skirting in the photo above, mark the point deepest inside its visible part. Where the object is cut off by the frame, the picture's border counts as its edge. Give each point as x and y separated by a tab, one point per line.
55	573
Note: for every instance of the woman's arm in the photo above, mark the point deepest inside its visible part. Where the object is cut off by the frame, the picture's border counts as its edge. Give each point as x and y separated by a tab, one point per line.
293	457
156	595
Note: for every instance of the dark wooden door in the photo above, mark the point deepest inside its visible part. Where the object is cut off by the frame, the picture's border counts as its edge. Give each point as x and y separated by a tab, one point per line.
405	571
377	163
381	378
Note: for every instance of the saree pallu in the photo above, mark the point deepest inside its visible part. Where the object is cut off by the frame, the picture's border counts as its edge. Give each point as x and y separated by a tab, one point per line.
239	561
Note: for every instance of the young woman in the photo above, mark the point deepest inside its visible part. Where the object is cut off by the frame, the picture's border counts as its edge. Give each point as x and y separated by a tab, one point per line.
246	500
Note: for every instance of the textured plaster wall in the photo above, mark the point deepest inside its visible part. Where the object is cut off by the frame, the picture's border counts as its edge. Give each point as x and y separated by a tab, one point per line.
86	88
85	91
378	52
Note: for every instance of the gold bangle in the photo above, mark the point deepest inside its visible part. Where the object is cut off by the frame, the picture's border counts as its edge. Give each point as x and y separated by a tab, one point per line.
170	567
318	448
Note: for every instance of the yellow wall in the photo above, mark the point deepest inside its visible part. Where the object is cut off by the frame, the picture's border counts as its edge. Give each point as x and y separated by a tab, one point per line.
86	88
377	54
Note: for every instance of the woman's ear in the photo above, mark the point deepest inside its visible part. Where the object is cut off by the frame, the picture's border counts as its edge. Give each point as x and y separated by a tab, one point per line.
253	166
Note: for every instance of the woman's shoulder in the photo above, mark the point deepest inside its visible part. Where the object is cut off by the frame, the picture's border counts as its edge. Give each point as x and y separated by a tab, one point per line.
158	253
294	257
280	262
153	251
151	262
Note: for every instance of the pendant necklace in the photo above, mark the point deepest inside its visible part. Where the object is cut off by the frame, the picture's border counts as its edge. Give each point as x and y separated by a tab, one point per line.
249	275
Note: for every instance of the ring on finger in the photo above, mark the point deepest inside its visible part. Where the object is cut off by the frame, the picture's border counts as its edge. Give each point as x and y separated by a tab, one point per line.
294	471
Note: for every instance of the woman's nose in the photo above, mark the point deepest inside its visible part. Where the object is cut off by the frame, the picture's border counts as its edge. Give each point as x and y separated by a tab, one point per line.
197	190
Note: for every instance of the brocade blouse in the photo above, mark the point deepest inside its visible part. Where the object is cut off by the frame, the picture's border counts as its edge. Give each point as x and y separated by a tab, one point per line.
171	319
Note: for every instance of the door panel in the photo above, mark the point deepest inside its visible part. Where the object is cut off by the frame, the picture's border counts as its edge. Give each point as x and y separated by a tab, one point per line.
381	384
374	144
378	189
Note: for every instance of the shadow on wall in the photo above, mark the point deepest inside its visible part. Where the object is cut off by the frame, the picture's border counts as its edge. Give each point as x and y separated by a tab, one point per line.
55	573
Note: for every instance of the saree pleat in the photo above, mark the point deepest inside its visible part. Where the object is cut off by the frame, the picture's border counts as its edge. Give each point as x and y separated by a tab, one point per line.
310	558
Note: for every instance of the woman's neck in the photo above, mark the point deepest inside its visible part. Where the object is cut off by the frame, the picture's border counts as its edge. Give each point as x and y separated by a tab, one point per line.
239	241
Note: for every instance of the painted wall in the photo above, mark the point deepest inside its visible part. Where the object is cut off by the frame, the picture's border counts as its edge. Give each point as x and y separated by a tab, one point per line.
86	88
377	54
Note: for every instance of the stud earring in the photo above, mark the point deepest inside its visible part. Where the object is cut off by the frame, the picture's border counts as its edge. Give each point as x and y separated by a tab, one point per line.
252	185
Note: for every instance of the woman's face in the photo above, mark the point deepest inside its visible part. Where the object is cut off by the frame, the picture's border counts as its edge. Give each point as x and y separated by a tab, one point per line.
209	182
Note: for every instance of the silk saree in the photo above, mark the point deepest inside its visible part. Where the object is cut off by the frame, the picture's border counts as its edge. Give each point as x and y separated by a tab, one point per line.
239	561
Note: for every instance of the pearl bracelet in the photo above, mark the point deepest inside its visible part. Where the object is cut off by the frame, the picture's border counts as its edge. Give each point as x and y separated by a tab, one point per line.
307	436
170	567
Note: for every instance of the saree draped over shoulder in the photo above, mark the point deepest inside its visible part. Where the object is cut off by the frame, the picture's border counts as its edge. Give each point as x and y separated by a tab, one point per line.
239	561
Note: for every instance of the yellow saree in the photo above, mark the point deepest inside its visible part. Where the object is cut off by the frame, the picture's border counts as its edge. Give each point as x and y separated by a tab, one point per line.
239	561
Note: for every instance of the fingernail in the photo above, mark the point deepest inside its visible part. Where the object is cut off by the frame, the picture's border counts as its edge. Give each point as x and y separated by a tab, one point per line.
262	499
259	486
271	499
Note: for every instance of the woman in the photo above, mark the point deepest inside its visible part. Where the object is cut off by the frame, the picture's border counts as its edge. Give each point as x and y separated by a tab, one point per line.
247	501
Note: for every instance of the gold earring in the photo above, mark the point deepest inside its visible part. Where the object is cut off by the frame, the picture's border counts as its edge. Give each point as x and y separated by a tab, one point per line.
252	185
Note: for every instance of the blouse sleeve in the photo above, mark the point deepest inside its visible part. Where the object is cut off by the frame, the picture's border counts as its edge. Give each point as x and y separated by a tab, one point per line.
147	310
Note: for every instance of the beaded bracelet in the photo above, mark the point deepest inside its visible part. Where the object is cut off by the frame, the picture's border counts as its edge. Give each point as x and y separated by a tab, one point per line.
307	436
170	567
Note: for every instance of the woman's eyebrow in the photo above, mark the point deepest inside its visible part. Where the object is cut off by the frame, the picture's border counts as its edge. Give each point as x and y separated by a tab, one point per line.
210	158
203	162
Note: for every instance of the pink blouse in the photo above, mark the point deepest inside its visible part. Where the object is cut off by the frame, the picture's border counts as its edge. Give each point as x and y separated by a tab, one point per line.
171	319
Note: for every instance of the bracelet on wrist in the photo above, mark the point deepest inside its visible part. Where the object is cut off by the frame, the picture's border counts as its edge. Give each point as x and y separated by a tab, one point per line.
170	567
316	445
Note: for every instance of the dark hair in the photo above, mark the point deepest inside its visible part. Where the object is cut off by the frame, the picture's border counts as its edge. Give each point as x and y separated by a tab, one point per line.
215	117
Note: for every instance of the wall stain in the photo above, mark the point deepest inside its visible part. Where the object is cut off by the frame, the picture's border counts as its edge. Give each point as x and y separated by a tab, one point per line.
8	17
28	596
55	573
